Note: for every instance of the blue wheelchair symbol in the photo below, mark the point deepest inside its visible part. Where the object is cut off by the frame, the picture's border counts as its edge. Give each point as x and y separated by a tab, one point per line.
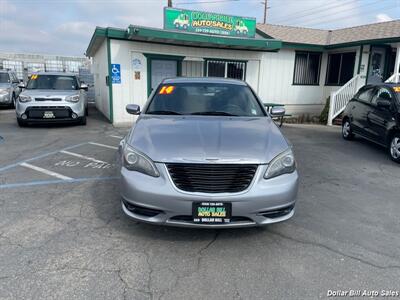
116	73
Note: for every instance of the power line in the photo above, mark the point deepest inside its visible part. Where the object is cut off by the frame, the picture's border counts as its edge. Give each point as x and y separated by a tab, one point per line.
346	17
341	15
311	11
205	2
345	10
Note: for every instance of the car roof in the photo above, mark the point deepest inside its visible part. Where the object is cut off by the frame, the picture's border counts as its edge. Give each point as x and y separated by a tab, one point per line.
55	73
391	84
383	84
203	80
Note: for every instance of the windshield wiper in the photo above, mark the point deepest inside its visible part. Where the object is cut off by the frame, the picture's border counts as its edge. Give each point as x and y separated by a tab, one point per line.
163	112
214	113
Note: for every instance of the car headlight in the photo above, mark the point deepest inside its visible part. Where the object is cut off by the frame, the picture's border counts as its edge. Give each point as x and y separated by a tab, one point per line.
137	161
74	98
282	164
23	98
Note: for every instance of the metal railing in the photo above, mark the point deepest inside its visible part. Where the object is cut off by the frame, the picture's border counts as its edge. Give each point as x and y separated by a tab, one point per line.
342	96
395	78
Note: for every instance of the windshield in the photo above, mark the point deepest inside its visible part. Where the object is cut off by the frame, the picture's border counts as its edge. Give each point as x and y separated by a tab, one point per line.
52	82
219	99
4	78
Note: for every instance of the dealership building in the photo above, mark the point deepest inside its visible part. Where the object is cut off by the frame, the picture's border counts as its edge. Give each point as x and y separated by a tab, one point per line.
297	67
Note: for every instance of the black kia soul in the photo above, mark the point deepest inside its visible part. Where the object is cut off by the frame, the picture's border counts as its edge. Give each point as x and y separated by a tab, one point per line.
374	114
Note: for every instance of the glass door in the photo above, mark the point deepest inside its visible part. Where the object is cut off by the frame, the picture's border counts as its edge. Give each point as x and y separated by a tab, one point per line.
376	68
161	69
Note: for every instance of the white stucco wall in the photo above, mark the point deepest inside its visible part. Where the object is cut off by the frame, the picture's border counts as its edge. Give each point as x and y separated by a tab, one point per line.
269	73
276	84
100	71
133	90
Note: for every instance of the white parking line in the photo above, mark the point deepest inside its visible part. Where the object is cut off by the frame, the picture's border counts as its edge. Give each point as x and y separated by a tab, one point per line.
44	171
117	136
83	156
102	145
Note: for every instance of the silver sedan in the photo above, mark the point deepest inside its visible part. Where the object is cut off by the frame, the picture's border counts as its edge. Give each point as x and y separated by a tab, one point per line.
205	153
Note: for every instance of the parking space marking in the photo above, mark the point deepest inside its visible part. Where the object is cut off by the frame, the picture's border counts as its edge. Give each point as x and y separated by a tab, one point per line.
117	136
83	156
102	145
44	171
39	156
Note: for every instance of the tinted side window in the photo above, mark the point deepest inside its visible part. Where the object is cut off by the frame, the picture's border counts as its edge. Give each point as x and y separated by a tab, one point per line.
383	93
365	95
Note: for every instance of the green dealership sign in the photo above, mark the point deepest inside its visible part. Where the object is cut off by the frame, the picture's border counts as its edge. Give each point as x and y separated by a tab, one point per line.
208	23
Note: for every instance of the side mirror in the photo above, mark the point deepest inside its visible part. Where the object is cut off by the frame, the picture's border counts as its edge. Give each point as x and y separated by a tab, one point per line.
133	109
278	111
21	85
84	86
384	103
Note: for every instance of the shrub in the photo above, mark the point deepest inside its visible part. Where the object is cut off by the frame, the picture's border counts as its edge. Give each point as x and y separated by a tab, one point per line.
323	117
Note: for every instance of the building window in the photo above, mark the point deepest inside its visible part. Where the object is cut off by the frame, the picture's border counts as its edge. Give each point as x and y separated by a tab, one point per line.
226	69
340	68
306	68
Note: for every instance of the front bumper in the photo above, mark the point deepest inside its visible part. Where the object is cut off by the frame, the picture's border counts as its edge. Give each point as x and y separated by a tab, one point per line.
5	99
158	201
62	110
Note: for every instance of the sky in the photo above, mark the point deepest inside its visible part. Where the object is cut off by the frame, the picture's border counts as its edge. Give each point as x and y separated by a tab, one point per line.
64	27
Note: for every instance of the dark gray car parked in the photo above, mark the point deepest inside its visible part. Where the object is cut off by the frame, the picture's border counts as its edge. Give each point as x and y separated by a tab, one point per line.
374	114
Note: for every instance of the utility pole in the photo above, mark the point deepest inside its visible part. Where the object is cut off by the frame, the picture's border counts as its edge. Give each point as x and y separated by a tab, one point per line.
265	10
169	3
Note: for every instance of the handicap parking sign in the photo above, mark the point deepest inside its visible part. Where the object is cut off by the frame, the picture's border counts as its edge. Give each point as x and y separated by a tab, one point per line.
116	73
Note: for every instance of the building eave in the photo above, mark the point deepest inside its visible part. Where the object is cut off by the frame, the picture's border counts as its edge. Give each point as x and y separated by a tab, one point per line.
147	34
154	35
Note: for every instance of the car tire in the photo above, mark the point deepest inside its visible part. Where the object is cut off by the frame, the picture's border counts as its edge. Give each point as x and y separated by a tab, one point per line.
394	147
86	111
83	121
21	123
347	133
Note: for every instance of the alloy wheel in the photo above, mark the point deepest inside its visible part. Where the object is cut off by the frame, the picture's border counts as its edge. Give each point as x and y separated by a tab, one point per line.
346	129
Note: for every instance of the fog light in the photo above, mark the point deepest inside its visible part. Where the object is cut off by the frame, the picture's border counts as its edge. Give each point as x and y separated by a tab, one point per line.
24	117
74	116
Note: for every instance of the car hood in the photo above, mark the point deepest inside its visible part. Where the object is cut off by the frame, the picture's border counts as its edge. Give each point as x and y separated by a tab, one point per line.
50	93
207	139
4	85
